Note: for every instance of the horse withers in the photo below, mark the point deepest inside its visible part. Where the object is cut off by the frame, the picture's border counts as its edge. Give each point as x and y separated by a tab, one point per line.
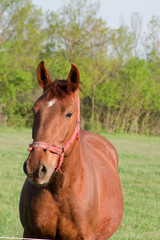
72	190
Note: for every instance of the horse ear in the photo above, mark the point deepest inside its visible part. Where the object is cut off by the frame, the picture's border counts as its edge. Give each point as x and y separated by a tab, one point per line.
73	78
43	75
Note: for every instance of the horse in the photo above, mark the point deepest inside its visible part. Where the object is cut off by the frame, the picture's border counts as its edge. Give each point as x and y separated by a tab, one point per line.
72	190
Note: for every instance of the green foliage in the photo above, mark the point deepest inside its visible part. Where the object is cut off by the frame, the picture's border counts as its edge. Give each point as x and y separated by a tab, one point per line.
120	68
21	44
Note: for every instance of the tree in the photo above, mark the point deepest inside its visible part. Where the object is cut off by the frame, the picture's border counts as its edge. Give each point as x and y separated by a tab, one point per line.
77	35
121	80
21	43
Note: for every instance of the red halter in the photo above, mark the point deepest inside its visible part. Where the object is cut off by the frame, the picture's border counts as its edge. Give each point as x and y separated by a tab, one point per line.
56	149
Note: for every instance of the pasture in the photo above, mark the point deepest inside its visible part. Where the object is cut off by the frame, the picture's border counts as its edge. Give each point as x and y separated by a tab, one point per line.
139	168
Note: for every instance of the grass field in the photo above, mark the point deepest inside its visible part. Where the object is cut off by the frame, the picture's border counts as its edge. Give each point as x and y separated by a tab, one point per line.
139	168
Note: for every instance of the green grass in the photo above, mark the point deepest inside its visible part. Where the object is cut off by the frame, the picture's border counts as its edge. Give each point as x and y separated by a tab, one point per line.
13	146
139	168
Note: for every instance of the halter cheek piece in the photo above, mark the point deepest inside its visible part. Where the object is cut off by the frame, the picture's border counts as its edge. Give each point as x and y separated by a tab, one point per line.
56	149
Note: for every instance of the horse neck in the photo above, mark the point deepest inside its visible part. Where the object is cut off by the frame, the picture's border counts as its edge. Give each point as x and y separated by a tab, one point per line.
70	171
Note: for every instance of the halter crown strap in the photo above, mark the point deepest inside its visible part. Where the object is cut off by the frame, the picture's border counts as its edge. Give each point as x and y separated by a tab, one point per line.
56	149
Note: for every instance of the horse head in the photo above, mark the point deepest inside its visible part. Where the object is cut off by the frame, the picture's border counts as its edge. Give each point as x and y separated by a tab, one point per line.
55	125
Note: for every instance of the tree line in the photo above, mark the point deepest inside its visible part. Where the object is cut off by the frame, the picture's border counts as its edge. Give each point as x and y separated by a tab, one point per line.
119	68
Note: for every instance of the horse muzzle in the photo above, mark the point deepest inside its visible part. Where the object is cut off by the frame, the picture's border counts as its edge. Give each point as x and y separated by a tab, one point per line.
40	166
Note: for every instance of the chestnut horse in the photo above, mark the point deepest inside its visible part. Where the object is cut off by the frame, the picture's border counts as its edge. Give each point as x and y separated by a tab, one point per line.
72	190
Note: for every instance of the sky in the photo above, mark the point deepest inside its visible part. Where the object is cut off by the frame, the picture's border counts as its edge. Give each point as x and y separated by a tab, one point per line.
114	12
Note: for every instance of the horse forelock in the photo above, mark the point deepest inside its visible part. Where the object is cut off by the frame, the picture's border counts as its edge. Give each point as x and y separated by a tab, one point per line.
57	89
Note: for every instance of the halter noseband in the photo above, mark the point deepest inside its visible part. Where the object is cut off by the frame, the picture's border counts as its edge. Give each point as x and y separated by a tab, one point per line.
56	149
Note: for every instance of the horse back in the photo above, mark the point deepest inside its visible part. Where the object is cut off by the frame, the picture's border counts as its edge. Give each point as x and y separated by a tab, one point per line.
95	143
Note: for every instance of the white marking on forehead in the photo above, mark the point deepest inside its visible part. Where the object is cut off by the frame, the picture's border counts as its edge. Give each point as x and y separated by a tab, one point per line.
52	102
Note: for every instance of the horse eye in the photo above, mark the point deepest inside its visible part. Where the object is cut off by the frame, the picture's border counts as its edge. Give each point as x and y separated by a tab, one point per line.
68	115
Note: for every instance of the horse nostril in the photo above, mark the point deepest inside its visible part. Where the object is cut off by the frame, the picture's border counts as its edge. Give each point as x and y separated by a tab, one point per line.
25	168
42	171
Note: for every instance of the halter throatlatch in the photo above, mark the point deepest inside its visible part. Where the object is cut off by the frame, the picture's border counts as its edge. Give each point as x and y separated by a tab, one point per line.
56	149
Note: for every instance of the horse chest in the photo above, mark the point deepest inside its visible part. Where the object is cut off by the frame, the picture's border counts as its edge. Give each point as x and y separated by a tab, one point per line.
53	218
